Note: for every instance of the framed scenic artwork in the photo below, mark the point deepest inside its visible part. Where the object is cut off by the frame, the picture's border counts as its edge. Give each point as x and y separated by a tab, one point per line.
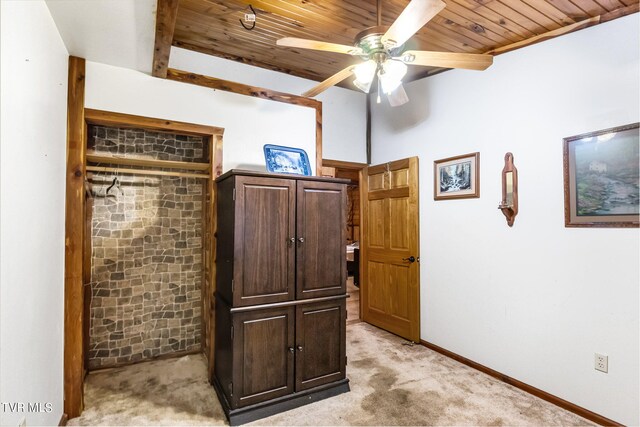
457	177
286	160
601	178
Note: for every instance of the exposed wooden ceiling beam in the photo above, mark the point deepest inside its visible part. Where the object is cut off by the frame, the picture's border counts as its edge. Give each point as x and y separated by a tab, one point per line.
546	36
166	15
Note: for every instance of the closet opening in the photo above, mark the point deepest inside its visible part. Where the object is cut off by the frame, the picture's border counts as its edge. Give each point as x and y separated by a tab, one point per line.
350	170
148	240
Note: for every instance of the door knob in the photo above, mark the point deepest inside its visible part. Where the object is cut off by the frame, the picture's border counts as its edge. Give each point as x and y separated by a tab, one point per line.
291	350
291	240
410	259
301	239
299	348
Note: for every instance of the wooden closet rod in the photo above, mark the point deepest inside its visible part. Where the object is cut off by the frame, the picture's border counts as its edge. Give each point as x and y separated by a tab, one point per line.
146	172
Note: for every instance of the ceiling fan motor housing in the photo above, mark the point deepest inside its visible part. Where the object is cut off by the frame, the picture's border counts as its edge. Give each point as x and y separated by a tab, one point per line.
370	41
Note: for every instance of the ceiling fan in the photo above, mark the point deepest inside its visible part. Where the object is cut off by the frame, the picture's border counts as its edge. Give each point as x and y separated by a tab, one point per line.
382	50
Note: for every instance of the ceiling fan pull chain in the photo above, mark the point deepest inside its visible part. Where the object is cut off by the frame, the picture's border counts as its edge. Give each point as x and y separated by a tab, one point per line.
248	17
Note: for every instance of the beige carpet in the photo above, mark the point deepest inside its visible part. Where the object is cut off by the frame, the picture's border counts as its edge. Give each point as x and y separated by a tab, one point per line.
391	384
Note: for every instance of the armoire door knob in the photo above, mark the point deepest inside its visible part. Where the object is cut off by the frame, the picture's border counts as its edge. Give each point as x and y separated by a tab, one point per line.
291	350
299	348
301	239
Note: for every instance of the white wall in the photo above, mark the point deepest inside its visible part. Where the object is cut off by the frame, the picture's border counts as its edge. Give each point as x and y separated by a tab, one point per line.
343	110
88	30
537	300
249	122
120	33
34	106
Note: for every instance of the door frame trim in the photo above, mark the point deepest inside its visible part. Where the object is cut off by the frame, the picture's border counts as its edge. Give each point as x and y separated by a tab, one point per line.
78	118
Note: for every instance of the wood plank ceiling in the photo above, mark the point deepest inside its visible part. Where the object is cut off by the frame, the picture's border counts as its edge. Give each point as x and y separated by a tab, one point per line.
474	26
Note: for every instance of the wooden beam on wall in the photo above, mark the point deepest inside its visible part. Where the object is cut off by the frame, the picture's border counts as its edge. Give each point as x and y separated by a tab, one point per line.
585	23
271	95
546	36
319	140
242	89
167	12
74	226
620	12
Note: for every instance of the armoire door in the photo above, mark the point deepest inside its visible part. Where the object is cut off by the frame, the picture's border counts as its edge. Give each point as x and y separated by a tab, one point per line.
321	238
264	252
263	355
320	343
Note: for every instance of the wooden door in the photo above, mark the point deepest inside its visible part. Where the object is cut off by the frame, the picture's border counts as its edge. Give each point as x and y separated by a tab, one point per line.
263	354
390	249
264	252
321	268
320	343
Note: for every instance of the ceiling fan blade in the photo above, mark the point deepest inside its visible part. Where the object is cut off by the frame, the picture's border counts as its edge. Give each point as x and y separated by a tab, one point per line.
413	17
333	80
398	97
318	45
469	61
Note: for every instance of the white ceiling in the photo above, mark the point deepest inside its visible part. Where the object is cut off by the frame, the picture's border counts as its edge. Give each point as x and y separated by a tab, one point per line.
114	32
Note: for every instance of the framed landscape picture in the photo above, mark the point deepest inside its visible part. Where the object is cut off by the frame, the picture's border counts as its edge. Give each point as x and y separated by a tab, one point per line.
291	160
601	180
457	177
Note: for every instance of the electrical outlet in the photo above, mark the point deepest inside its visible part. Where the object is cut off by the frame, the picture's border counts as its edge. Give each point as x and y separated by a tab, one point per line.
23	422
602	363
250	17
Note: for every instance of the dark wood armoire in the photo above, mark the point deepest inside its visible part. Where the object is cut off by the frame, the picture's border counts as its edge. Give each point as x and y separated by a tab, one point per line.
280	292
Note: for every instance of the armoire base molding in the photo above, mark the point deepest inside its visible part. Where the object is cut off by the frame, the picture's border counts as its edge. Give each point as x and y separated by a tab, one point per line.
265	409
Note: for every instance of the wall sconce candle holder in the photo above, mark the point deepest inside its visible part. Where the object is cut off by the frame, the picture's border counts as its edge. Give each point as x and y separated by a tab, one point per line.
509	204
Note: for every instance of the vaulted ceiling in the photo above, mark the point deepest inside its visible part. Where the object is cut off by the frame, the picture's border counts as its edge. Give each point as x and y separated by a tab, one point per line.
473	26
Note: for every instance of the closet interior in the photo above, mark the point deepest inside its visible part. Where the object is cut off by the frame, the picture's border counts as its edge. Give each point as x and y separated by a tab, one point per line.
148	250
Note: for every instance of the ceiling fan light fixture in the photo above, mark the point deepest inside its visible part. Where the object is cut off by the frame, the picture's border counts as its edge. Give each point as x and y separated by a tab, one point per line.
391	75
363	86
365	73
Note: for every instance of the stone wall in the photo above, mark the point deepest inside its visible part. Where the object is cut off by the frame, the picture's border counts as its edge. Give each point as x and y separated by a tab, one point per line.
146	252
